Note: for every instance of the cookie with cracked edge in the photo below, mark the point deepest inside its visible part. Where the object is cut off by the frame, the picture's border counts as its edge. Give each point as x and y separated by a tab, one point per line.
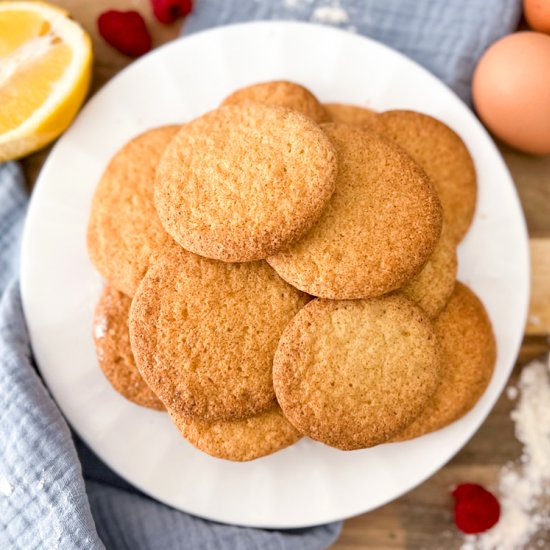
124	233
244	181
444	157
468	355
432	287
378	229
114	354
204	334
284	94
352	374
353	115
240	440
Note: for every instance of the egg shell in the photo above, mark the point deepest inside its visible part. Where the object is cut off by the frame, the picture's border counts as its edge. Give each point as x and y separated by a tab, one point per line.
511	91
537	13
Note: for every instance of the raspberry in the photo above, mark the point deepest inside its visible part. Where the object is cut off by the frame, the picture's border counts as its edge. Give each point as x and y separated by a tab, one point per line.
126	31
167	11
476	509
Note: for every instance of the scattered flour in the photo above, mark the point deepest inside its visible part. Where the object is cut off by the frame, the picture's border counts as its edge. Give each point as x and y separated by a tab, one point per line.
295	4
511	392
330	14
6	488
525	484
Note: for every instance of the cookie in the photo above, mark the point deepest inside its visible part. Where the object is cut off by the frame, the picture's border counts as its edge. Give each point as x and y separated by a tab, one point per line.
432	288
378	229
114	354
124	232
242	182
204	334
444	157
353	115
240	440
353	373
284	94
468	355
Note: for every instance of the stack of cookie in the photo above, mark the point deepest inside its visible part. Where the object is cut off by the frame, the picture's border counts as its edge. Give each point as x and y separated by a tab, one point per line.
278	268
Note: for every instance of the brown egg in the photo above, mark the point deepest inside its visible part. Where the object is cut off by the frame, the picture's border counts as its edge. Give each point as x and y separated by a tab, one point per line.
537	13
511	91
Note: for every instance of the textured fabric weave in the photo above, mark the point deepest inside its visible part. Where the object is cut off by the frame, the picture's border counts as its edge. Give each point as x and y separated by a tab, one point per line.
44	501
446	36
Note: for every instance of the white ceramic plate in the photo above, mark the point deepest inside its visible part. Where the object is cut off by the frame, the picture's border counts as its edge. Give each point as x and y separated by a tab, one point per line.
308	483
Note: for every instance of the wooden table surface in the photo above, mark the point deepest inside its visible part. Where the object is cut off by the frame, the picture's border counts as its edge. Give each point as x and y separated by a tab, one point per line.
422	518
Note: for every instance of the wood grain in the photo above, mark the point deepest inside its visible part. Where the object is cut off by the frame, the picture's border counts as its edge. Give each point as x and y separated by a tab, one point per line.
422	518
539	310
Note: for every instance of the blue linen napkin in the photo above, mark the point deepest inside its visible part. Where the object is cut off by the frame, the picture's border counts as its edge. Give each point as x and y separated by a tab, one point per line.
54	492
446	36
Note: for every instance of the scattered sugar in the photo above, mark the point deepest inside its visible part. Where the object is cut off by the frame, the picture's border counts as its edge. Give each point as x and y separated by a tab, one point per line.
524	484
6	488
330	14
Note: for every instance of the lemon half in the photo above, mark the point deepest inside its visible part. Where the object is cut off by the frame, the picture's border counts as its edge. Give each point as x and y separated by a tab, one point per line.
45	70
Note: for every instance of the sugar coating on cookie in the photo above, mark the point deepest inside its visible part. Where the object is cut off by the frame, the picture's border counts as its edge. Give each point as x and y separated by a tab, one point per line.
244	181
354	115
124	232
240	440
433	286
204	334
444	157
377	231
284	94
468	355
114	354
353	373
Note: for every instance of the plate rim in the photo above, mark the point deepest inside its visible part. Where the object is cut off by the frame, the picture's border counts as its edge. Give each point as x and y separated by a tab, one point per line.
39	189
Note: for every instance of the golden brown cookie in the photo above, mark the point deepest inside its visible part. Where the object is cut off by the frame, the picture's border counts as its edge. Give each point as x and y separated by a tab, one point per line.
124	232
444	157
432	288
114	354
353	373
204	334
240	440
377	231
354	115
468	355
284	94
242	182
